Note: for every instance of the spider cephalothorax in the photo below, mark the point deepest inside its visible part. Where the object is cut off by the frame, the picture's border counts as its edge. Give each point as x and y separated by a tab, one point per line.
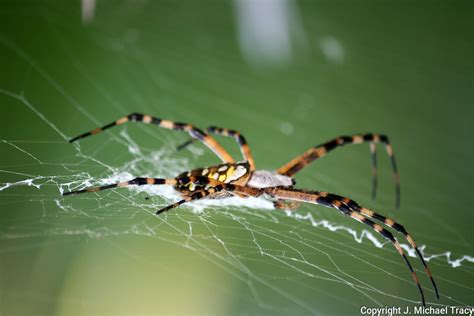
241	179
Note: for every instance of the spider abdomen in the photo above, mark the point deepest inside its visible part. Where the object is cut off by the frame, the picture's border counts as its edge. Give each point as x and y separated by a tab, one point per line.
226	173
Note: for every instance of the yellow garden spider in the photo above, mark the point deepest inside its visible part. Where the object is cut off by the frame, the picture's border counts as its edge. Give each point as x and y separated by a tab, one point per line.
242	179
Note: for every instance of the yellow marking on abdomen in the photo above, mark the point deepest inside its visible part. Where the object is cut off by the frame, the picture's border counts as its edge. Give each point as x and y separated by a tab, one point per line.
230	171
222	168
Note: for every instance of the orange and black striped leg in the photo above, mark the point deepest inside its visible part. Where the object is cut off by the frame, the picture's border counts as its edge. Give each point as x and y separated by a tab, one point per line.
337	202
298	163
286	205
136	181
193	197
388	235
390	223
373	152
239	138
194	132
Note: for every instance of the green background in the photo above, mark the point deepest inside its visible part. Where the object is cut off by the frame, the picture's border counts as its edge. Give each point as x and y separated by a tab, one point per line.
407	72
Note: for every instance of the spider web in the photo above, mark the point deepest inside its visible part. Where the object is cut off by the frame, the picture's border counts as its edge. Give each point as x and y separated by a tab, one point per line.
206	228
273	261
273	238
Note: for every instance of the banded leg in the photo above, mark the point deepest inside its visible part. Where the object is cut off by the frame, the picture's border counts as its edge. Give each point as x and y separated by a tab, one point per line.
239	138
195	196
286	205
373	152
354	211
136	181
150	181
194	132
298	163
390	223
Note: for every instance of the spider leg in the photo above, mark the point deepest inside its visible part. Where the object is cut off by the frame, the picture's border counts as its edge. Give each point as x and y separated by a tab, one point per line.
390	223
194	132
136	181
354	211
373	152
195	196
298	163
286	205
239	138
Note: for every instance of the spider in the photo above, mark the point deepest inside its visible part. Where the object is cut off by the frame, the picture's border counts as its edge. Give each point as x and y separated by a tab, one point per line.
242	179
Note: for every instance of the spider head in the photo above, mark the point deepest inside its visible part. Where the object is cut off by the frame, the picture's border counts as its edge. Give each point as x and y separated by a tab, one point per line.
267	179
